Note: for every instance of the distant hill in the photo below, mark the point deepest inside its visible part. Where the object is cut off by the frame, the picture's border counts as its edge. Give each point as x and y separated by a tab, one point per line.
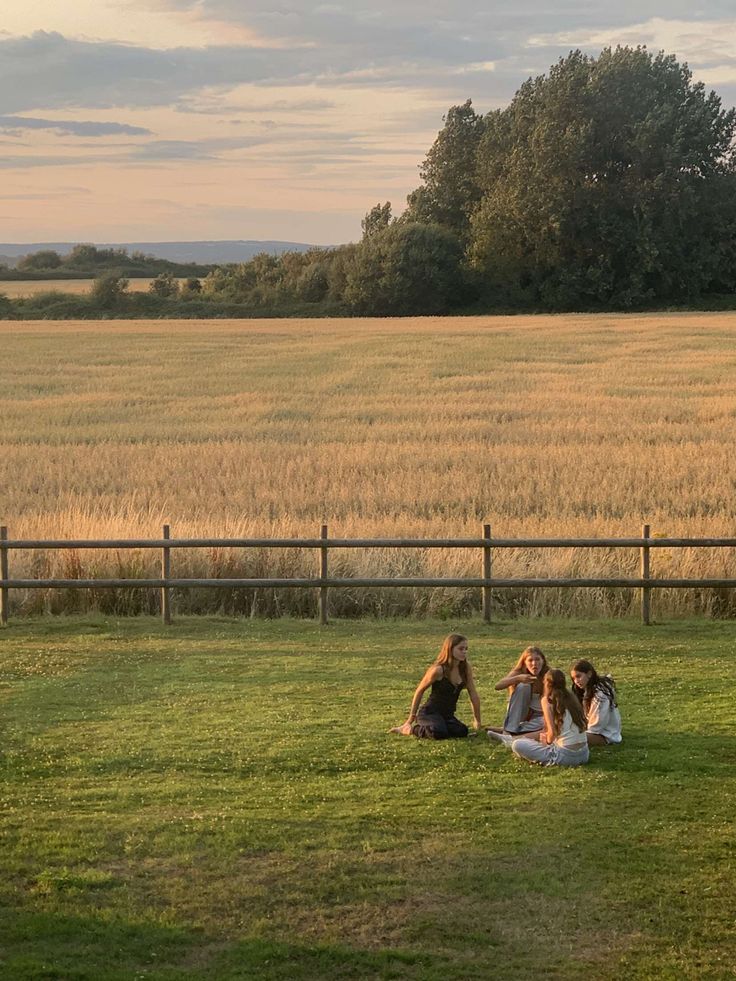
207	253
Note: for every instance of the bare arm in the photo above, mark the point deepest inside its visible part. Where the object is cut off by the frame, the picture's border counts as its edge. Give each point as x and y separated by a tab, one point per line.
433	673
474	697
515	678
549	733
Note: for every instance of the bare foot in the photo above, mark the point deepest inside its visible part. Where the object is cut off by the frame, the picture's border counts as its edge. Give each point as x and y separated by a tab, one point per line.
501	737
404	730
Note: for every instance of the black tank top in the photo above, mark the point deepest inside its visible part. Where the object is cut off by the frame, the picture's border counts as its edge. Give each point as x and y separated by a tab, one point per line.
443	697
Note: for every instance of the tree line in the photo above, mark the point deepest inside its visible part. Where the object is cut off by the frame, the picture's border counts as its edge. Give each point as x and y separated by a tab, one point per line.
607	183
88	261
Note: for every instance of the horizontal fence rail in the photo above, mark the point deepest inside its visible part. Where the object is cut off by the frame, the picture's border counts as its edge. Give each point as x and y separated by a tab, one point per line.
81	543
323	581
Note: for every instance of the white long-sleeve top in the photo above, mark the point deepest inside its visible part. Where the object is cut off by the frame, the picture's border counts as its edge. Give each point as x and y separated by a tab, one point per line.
604	718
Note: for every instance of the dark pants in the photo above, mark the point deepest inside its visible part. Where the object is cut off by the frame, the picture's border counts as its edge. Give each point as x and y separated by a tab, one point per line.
432	725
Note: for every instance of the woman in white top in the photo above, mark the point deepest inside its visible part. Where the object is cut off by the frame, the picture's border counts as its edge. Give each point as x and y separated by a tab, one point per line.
598	696
562	741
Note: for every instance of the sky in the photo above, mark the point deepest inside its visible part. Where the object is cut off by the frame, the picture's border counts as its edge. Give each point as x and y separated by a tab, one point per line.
173	120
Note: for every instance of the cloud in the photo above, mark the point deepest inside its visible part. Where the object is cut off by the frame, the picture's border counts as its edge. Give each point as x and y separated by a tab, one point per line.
212	105
707	42
205	149
16	124
379	29
464	48
47	70
287	144
484	43
415	28
25	161
468	48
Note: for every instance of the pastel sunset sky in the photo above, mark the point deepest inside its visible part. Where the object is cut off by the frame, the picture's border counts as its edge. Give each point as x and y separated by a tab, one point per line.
152	120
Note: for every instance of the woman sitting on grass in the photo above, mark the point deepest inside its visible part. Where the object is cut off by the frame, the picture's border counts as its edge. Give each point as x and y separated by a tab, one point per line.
598	697
447	677
562	742
524	681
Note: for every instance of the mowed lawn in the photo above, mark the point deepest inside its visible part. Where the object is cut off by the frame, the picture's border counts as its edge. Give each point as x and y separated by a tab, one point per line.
221	800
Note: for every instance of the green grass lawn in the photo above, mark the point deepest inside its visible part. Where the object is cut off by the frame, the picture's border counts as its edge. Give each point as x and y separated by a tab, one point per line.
220	800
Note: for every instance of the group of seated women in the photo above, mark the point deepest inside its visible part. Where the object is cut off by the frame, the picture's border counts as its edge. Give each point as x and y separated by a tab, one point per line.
545	721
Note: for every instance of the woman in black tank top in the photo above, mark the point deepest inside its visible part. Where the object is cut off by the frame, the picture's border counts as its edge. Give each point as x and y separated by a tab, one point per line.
447	677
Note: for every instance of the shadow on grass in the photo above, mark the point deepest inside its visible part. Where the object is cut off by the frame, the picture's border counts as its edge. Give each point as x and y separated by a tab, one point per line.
76	948
660	752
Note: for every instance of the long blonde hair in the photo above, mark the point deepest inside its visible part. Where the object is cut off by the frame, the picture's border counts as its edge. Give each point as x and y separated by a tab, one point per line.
521	666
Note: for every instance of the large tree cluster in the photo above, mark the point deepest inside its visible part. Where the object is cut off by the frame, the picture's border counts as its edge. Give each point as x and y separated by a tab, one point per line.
608	181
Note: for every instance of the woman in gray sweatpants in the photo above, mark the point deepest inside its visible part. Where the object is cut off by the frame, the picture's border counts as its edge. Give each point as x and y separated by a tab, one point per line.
524	684
562	742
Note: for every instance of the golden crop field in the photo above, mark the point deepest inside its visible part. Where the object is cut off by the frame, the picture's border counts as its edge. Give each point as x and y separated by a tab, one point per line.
15	288
556	426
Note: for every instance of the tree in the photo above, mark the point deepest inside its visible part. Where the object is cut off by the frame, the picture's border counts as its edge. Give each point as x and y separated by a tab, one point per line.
165	285
610	180
312	285
86	256
407	268
43	259
451	191
378	218
108	291
82	256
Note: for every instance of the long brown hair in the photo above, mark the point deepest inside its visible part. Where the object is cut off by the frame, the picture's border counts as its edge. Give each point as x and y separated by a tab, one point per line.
446	659
596	685
562	700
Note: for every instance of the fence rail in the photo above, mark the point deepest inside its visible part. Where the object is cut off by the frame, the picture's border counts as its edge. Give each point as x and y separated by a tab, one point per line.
323	582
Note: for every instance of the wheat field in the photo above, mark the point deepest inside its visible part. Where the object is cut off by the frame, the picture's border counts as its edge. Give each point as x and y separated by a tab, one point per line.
555	426
18	287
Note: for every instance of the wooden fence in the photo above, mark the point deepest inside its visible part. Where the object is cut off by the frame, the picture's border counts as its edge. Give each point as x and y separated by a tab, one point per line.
322	582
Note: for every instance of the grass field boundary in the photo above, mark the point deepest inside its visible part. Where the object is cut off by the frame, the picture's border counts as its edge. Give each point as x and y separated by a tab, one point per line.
323	581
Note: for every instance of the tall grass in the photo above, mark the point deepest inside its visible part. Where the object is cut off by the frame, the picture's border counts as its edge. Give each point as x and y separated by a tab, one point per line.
543	426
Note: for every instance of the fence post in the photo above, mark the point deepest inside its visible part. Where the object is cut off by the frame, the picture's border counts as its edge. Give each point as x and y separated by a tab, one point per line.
323	575
487	574
166	574
4	591
646	591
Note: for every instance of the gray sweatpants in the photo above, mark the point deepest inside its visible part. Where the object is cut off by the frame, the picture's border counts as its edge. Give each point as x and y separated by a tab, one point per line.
549	755
517	712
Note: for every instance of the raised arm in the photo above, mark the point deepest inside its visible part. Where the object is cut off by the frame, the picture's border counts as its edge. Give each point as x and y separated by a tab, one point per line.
515	678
